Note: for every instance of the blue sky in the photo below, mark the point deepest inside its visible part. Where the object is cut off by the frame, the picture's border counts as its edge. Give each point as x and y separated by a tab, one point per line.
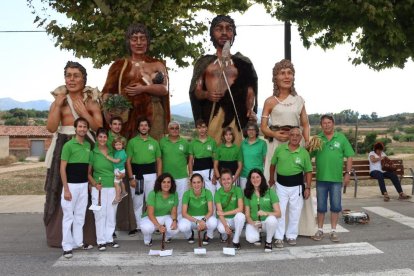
32	67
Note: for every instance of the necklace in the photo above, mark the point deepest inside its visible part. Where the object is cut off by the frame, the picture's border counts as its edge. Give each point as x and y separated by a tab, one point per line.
283	102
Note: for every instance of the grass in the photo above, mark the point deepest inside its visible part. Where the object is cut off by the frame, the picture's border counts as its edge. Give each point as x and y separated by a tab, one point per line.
24	182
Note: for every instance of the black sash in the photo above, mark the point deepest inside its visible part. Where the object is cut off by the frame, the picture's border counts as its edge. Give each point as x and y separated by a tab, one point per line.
140	169
231	165
77	172
201	164
291	180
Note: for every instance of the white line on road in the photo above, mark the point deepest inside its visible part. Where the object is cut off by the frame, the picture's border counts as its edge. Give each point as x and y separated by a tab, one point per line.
392	272
216	257
384	212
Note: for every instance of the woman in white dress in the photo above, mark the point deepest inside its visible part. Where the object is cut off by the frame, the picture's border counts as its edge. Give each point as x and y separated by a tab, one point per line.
281	111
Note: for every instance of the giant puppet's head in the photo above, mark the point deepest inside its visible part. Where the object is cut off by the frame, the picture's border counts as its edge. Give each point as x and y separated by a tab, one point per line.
283	64
135	29
216	21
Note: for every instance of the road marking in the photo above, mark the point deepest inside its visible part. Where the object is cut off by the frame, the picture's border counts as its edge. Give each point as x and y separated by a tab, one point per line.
384	212
95	258
339	229
392	272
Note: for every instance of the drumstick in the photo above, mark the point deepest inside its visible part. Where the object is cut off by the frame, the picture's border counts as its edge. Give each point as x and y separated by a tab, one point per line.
163	240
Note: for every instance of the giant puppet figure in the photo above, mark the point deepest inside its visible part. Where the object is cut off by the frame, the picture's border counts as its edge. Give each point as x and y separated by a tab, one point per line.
144	80
223	89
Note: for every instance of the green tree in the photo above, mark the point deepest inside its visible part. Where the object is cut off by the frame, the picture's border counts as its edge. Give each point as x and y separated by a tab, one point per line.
95	29
379	31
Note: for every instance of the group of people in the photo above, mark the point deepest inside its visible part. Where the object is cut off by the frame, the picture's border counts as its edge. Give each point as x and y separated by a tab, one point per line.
138	177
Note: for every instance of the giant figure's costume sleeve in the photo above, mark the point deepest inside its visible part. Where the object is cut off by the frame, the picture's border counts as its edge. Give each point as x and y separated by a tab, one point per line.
246	78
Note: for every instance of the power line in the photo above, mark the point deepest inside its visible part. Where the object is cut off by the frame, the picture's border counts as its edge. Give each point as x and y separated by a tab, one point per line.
23	31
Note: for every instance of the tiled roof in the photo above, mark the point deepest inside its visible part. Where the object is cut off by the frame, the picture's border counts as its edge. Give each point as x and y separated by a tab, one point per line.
24	131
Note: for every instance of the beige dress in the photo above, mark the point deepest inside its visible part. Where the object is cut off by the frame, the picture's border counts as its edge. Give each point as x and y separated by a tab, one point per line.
284	113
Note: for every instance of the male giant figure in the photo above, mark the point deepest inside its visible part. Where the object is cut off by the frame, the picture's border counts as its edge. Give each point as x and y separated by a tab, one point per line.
223	89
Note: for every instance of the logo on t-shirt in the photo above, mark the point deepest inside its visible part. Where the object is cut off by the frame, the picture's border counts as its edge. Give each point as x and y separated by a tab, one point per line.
203	202
181	147
298	161
170	201
266	199
209	148
150	147
336	145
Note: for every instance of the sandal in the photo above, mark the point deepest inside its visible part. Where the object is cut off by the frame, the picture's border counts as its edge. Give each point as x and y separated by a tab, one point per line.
386	197
404	196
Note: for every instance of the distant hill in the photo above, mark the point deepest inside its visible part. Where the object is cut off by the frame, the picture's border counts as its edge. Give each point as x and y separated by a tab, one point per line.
9	103
181	112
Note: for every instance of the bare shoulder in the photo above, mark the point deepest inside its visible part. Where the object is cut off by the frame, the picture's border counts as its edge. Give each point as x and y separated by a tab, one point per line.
92	106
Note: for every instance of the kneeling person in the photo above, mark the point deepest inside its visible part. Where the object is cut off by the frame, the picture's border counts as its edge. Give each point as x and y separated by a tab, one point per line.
292	161
229	205
197	211
261	209
161	210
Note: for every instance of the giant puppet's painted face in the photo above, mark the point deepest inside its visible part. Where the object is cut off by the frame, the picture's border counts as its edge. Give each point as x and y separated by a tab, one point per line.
222	29
137	39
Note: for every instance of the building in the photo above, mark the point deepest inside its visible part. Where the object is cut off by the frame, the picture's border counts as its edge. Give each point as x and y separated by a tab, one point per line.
24	141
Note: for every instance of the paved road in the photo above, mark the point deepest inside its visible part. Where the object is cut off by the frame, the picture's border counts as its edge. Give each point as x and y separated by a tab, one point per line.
385	246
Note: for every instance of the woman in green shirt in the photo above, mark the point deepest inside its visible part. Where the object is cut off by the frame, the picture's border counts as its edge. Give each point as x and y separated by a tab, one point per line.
197	211
161	211
229	206
101	177
261	209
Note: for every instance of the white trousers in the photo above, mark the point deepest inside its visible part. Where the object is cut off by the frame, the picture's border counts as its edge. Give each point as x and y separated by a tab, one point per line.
243	182
235	223
182	187
289	197
185	226
269	226
105	219
138	200
148	228
74	215
207	176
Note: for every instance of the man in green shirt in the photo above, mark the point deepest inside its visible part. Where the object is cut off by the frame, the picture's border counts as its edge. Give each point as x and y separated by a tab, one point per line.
174	152
143	166
292	162
125	219
202	150
74	174
329	164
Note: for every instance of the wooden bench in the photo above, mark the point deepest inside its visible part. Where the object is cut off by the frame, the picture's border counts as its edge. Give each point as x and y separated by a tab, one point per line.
360	171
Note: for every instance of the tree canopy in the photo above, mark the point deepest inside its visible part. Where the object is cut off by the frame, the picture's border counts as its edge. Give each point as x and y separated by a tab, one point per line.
96	28
380	32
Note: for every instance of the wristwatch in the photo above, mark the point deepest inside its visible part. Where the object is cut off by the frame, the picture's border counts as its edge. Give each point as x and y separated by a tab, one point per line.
204	219
348	172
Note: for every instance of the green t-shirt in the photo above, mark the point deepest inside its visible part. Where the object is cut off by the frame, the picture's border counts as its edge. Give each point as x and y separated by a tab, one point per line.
162	206
75	152
143	151
291	162
266	203
253	155
197	206
102	167
329	160
174	157
232	153
205	149
120	154
229	200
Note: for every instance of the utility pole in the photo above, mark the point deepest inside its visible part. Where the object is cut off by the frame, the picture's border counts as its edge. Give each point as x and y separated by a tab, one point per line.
288	49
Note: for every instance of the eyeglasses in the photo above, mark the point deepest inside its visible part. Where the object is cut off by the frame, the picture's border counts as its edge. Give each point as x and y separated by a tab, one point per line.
174	128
